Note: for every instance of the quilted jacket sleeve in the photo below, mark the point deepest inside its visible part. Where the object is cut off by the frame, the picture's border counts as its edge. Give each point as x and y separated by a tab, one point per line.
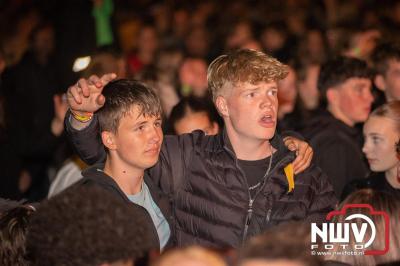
175	156
86	142
323	200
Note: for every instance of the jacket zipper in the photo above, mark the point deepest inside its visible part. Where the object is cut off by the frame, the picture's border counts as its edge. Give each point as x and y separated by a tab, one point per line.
268	216
251	201
248	219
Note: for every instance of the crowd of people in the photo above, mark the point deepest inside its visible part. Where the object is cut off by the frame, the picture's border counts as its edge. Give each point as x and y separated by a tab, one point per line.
209	133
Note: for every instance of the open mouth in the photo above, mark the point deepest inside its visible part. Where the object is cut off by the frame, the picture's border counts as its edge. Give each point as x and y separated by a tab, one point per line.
267	120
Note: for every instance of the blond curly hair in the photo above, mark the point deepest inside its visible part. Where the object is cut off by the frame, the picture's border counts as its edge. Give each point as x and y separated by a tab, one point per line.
243	66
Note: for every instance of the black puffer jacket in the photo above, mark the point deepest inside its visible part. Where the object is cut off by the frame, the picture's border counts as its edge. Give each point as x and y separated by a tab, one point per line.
209	191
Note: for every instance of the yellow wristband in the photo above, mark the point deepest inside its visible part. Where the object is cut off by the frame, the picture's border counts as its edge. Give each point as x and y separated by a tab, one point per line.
86	117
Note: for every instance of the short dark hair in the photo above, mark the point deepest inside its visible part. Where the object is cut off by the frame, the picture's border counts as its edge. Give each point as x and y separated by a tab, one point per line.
191	104
101	63
121	95
13	228
85	225
289	241
382	54
338	70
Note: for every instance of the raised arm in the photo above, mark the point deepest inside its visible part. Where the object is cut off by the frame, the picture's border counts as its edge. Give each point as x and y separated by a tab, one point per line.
84	99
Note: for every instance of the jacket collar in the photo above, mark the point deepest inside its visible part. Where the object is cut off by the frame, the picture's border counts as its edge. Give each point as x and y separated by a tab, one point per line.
281	158
96	174
276	142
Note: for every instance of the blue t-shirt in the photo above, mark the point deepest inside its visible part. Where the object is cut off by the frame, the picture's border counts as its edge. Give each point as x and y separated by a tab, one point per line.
144	199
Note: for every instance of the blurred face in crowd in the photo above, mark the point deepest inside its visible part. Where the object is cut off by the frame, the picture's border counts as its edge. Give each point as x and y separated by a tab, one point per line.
252	45
169	61
147	39
43	41
197	42
391	81
180	22
381	135
272	39
241	34
249	110
193	73
351	101
308	90
277	262
196	120
315	42
287	92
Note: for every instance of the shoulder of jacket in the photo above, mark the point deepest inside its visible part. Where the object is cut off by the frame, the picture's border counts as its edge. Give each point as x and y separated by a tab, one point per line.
333	140
196	141
311	175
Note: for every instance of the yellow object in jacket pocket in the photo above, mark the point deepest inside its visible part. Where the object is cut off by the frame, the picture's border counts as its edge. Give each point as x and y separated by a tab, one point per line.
289	176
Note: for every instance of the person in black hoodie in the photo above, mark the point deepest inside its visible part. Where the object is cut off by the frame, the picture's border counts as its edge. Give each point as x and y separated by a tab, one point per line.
345	88
130	123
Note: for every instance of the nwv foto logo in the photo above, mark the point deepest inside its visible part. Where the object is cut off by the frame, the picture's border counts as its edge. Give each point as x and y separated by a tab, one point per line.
346	234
